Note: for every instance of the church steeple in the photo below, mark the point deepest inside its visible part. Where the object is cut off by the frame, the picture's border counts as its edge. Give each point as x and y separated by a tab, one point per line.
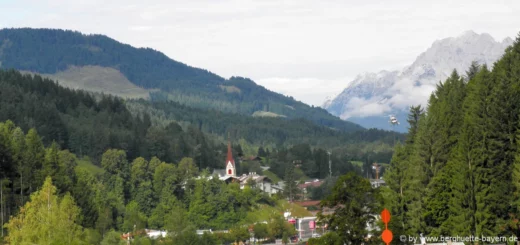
230	162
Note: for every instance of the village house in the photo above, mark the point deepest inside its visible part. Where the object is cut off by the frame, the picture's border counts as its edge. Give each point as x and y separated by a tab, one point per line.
229	174
310	183
376	183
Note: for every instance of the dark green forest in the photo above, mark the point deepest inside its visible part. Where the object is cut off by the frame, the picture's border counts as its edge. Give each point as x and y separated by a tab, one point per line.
51	50
261	130
458	172
120	169
88	125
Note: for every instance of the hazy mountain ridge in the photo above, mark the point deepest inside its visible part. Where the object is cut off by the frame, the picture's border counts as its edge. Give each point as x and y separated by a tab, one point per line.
372	96
53	51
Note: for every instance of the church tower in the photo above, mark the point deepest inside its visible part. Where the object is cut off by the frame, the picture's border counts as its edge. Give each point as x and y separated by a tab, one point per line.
230	162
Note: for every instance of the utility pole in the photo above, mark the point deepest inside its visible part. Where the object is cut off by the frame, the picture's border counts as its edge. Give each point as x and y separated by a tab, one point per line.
330	164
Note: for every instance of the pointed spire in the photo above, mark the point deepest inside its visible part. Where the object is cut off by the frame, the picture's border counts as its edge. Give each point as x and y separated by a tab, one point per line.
229	153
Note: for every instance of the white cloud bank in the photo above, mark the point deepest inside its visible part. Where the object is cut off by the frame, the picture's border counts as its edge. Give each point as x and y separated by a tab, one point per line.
318	42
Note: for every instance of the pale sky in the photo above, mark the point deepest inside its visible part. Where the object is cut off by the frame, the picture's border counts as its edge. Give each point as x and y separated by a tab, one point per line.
306	49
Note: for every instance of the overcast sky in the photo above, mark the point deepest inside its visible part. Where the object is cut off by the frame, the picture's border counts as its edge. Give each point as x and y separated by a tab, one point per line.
306	49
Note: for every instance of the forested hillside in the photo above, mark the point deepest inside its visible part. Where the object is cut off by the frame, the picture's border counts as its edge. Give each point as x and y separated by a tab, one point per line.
48	51
260	130
48	195
108	165
458	173
88	126
111	168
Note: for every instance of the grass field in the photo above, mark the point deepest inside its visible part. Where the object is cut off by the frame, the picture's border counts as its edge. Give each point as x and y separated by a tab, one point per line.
230	89
98	79
264	212
266	114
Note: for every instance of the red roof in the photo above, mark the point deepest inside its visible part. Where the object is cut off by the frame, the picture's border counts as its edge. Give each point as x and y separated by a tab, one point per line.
313	184
308	203
251	158
229	155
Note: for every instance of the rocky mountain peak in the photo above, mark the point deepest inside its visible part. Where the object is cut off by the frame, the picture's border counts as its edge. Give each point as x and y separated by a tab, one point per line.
390	92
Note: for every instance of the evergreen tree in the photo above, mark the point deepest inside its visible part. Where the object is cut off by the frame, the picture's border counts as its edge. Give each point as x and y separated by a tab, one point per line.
33	159
261	152
473	70
18	149
116	181
290	189
416	112
504	110
355	203
141	185
84	191
468	168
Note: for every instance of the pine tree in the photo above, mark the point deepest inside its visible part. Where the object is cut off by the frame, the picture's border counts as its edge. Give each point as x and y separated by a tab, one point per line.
416	112
436	139
474	68
261	152
469	169
33	158
504	114
18	149
394	195
290	190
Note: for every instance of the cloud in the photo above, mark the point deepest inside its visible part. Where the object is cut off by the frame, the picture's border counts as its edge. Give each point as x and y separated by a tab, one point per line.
300	47
360	107
399	96
312	91
154	13
410	95
140	28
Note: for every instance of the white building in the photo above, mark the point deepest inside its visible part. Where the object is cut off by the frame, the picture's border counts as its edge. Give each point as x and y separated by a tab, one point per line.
259	181
154	234
377	183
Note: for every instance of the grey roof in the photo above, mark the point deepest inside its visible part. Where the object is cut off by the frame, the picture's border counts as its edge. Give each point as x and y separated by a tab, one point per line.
377	181
262	178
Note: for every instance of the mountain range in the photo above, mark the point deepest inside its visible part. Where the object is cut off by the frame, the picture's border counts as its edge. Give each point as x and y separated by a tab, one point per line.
371	97
100	64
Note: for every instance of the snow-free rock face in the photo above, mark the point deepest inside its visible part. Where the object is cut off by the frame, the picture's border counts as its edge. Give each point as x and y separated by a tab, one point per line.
371	97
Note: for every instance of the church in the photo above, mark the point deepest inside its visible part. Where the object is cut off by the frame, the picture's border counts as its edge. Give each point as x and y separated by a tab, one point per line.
229	175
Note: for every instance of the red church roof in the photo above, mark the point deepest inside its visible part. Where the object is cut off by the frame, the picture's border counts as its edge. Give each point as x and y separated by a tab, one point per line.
230	155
